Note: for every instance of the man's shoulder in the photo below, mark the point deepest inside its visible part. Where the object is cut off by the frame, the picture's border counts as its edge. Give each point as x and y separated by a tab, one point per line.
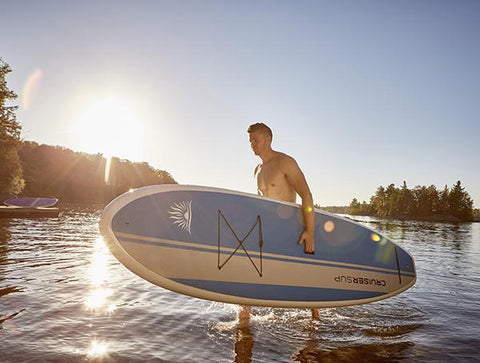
285	159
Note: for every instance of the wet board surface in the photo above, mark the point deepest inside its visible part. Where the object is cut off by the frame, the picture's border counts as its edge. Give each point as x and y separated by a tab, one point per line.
31	202
241	248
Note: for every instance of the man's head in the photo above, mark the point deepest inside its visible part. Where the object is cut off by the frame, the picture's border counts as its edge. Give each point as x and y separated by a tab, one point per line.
260	138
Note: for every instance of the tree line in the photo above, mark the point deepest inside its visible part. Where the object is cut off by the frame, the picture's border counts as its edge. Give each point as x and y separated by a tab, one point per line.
78	177
11	180
30	169
421	202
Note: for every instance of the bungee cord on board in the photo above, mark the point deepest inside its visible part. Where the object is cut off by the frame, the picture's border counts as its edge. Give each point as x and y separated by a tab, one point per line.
258	221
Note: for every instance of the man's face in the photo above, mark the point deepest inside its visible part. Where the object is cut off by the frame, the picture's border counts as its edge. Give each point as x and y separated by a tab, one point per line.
259	142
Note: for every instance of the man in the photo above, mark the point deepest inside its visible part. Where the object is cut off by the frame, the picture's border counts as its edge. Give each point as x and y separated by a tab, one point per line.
279	177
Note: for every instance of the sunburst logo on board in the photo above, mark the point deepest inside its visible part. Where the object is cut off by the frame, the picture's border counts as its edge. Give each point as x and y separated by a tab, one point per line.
181	215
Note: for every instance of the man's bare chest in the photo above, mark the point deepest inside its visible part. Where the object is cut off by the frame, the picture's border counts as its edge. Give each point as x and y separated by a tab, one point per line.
269	176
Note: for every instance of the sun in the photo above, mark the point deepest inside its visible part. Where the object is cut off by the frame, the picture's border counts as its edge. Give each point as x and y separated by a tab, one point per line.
109	126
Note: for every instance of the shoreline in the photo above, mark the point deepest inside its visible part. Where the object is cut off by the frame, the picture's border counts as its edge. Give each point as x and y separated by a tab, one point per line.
441	218
433	218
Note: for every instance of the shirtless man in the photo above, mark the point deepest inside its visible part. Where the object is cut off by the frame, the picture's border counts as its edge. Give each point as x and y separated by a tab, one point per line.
279	177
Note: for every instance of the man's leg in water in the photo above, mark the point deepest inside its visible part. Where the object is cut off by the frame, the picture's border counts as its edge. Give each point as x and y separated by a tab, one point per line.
244	316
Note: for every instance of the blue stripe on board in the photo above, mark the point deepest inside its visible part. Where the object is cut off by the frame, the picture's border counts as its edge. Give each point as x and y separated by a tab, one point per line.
278	292
201	249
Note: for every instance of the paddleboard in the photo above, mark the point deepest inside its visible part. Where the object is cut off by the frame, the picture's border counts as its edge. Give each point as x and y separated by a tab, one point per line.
241	248
31	202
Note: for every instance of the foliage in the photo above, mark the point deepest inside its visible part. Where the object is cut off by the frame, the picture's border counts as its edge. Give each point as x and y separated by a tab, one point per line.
420	203
11	181
360	209
334	209
77	177
476	215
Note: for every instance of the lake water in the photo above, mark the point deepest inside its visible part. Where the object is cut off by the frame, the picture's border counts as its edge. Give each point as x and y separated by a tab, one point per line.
64	297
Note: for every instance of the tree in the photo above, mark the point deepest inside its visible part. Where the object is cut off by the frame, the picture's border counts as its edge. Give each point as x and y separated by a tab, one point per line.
391	197
443	206
11	181
378	202
427	200
354	207
460	203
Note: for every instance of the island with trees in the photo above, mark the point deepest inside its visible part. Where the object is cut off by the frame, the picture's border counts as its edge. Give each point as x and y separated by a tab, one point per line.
422	203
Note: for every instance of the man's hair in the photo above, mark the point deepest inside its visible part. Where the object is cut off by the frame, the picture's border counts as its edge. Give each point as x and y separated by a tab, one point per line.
260	127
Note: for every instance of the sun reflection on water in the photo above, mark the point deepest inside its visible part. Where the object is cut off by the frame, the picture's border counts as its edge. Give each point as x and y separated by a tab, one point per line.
97	349
98	274
97	298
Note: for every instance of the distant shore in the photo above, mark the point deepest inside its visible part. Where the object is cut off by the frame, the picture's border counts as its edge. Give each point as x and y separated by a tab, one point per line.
431	218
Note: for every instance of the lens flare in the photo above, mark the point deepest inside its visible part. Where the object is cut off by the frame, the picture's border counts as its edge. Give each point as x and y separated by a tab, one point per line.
385	253
329	226
108	165
30	89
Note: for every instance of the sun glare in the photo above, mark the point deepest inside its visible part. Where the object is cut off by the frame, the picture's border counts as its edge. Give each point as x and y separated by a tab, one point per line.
97	349
109	126
99	296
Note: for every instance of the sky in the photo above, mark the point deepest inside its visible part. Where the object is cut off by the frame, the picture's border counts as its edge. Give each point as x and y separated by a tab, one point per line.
360	93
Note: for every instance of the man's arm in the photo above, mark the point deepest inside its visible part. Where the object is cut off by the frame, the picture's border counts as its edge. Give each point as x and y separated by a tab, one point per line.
297	179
